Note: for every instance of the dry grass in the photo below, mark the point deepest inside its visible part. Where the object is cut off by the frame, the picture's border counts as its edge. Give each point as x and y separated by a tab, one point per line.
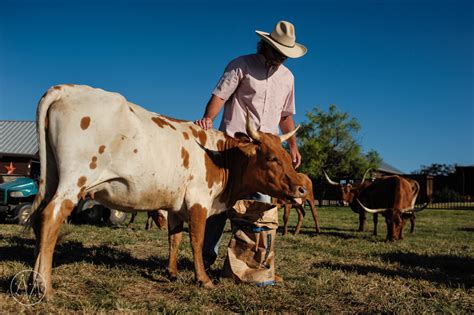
341	270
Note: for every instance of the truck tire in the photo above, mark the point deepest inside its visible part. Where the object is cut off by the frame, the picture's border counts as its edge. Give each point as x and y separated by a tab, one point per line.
23	213
89	211
116	217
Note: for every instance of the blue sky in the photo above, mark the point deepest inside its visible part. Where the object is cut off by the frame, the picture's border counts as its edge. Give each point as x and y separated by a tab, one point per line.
403	69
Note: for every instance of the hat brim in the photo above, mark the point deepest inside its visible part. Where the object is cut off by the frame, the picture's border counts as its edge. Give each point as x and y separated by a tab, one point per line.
291	52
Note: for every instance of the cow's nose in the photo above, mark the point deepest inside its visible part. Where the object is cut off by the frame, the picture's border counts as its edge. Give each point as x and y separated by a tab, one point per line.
302	190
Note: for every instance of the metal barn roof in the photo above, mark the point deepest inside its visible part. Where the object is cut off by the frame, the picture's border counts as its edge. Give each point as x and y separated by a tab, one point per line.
18	138
385	167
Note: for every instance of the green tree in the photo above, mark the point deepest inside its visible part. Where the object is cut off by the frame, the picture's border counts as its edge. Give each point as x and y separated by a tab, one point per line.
436	169
327	141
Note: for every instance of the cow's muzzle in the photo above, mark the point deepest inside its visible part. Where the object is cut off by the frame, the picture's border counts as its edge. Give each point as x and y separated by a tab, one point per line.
298	195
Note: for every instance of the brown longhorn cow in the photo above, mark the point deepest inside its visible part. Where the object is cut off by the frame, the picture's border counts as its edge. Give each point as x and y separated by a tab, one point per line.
300	207
393	196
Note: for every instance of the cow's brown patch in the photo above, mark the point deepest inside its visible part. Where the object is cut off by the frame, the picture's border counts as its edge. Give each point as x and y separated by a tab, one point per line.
66	207
185	157
194	131
162	123
213	174
46	122
191	177
93	163
57	87
82	193
174	119
101	149
221	145
135	151
185	135
202	137
81	181
85	122
131	109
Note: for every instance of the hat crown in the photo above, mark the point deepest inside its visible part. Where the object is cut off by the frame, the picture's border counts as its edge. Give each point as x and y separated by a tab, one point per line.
284	34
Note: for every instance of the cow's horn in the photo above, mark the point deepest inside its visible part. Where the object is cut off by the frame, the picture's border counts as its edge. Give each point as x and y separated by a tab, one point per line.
329	180
423	207
288	135
251	132
368	209
363	177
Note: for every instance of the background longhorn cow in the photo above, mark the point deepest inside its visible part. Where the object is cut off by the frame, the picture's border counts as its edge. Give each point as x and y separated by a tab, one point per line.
300	207
393	196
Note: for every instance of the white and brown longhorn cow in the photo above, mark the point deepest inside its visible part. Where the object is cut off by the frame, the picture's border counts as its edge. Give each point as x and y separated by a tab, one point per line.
393	196
96	142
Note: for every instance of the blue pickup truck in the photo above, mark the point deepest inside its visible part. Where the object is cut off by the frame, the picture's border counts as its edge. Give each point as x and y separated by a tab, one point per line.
16	198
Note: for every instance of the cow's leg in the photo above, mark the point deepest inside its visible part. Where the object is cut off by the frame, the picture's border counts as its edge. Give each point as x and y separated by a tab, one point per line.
314	211
149	220
175	234
132	219
197	227
412	223
362	221
46	225
300	212
388	220
286	217
376	220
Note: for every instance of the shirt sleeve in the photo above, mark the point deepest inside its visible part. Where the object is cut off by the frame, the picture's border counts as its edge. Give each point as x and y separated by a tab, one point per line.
229	80
289	106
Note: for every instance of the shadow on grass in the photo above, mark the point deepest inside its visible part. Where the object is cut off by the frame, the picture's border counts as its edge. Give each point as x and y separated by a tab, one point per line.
335	232
452	271
22	250
466	229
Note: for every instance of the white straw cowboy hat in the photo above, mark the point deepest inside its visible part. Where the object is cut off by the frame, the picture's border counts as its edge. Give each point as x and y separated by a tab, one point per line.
283	39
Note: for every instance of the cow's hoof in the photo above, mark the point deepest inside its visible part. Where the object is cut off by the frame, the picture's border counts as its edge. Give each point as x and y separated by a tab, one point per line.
48	295
208	285
172	276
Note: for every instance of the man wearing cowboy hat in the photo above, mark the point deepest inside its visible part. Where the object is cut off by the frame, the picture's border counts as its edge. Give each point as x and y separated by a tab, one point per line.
263	85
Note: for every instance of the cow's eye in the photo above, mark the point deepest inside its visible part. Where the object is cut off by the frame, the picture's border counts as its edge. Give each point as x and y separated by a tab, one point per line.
272	158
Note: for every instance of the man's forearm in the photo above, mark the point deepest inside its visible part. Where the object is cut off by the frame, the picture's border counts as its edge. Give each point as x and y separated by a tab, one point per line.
213	107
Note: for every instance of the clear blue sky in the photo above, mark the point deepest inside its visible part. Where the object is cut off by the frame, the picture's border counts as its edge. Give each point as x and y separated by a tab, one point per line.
403	69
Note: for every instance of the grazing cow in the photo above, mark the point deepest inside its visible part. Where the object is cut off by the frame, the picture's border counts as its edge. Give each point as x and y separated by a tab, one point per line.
300	207
96	142
158	216
393	196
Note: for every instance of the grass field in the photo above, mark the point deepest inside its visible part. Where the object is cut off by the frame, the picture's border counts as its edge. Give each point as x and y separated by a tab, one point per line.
340	270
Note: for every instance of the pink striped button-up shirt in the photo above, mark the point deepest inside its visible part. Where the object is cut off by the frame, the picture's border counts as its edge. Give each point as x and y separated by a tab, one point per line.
267	92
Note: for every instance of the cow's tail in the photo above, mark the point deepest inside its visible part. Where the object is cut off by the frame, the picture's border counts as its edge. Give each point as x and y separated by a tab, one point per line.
46	156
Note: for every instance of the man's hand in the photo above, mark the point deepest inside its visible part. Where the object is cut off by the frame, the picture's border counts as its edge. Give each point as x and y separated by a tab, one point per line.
295	156
205	123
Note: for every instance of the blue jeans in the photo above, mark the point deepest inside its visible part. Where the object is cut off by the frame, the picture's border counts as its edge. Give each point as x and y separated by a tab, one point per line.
215	227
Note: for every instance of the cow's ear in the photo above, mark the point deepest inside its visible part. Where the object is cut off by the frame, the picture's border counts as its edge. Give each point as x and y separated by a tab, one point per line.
248	148
242	137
